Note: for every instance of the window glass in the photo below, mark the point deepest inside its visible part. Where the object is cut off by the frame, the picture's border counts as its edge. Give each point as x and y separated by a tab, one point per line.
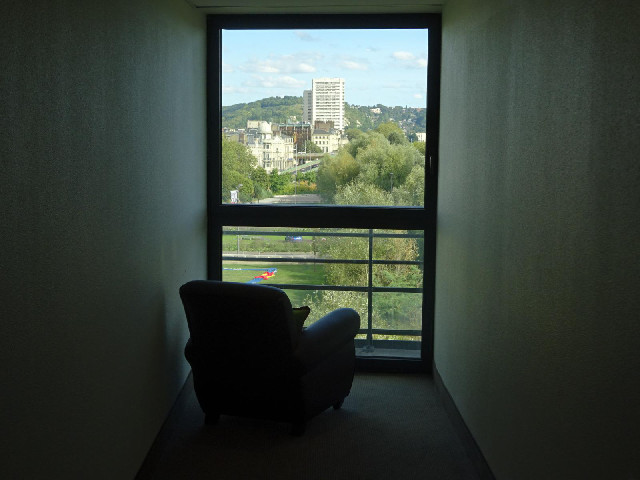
324	116
378	272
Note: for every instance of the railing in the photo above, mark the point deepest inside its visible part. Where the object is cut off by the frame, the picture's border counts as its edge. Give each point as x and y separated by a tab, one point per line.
367	345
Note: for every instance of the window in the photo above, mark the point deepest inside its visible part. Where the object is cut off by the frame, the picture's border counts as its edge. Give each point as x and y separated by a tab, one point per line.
365	239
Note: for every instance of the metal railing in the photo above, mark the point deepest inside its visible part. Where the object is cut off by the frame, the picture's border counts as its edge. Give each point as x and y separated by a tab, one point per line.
368	345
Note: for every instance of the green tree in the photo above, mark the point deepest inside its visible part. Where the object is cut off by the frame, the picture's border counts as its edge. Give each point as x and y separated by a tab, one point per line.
364	141
353	133
336	171
237	167
412	191
421	147
390	311
361	193
370	159
261	183
310	176
302	186
279	181
387	165
392	132
311	147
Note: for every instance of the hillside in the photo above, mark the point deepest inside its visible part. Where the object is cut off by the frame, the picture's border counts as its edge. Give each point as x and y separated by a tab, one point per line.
279	109
272	109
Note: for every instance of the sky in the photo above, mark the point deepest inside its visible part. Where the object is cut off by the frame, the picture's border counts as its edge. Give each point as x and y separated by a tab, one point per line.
387	67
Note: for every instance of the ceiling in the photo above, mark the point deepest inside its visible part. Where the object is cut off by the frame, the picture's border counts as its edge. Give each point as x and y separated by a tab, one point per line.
316	6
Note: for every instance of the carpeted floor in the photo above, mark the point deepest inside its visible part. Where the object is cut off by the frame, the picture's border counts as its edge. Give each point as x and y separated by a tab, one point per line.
392	426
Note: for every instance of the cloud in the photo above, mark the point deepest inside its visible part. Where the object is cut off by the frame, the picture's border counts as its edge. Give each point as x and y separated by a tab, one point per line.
291	82
417	95
282	64
305	68
266	67
351	65
280	81
226	68
409	60
403	55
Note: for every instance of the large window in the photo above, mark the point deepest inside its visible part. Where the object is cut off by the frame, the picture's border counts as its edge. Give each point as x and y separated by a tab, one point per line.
323	166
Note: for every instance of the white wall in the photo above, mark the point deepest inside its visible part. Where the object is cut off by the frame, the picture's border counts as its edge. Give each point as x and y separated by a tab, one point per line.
537	331
102	201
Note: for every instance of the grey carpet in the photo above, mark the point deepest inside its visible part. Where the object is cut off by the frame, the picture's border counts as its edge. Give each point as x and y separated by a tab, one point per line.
392	426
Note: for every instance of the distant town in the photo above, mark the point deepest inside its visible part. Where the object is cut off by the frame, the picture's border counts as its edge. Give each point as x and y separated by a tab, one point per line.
282	141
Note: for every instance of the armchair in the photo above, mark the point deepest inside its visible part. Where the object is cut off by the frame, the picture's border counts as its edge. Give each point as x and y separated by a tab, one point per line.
249	358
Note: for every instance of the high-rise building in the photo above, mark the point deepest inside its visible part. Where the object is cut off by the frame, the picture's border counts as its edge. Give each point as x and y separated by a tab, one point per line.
325	101
307	107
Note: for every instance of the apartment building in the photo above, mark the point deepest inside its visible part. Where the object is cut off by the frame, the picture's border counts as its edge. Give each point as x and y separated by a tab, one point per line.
325	101
272	151
328	140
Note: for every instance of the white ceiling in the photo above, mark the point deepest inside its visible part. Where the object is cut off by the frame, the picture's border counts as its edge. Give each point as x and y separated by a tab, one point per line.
317	6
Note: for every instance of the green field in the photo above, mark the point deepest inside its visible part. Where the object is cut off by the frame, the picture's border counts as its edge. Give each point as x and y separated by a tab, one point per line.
294	273
243	243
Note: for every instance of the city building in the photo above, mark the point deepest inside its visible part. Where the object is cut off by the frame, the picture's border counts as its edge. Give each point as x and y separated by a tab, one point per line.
325	101
272	151
300	131
329	141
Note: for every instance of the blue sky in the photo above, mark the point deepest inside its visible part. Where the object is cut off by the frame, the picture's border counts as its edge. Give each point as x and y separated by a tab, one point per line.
379	66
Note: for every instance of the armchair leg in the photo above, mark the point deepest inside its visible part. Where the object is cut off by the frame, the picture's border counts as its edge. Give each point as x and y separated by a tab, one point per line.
338	404
211	418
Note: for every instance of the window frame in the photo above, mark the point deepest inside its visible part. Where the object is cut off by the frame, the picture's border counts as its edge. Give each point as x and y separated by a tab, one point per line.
329	216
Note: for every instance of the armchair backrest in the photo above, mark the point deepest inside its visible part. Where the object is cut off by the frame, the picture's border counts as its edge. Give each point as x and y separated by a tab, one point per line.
239	328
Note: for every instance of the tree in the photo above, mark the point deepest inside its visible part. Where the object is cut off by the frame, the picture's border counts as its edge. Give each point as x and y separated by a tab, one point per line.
390	311
392	132
278	181
361	193
311	147
387	166
336	171
310	176
261	183
237	167
412	191
420	146
353	133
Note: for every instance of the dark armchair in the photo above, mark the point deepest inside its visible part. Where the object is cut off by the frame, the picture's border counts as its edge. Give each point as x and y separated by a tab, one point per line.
250	359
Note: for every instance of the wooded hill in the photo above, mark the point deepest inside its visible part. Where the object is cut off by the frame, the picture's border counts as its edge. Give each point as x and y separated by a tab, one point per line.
280	109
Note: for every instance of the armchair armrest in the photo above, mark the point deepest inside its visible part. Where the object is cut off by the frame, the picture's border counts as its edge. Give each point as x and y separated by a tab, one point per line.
326	336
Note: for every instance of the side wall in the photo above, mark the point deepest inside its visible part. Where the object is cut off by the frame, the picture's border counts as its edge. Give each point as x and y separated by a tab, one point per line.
537	335
103	201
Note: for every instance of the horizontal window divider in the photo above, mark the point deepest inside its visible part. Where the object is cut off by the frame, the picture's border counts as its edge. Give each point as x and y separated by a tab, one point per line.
322	216
340	288
321	234
348	20
386	331
267	258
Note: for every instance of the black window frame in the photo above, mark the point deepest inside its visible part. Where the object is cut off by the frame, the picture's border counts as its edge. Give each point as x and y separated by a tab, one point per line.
330	216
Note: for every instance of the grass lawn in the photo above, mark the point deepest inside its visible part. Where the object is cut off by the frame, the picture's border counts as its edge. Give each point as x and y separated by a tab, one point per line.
267	243
293	273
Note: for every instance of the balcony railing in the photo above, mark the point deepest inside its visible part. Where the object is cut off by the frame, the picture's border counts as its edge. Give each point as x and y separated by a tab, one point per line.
372	340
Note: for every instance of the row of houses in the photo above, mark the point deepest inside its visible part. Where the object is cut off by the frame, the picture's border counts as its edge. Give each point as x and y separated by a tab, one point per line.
282	146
